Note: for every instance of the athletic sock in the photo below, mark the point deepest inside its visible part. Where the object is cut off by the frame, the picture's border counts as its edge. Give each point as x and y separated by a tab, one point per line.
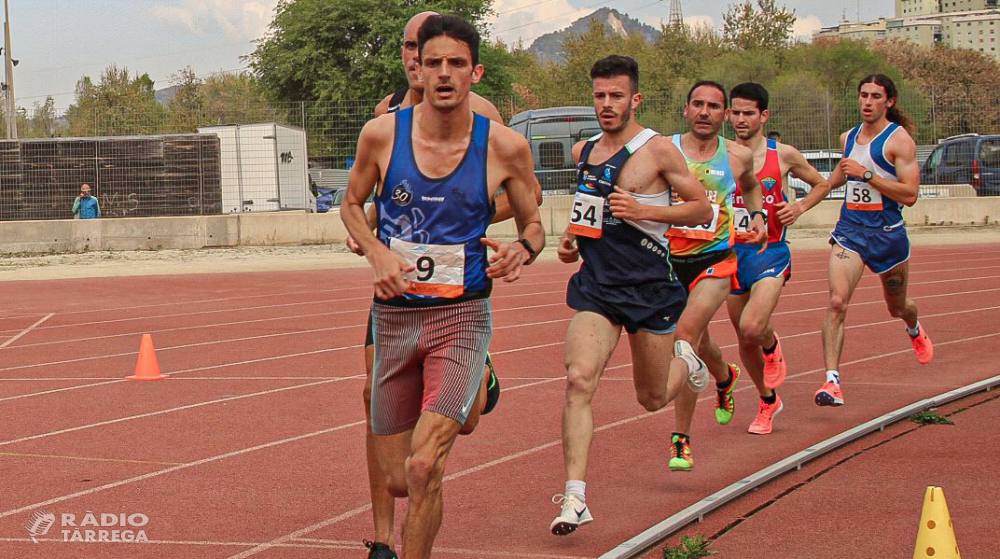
680	436
771	349
577	488
770	400
833	376
720	386
914	332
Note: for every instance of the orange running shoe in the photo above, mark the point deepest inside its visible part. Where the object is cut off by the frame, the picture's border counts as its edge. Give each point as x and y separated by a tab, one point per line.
765	417
774	366
923	347
829	395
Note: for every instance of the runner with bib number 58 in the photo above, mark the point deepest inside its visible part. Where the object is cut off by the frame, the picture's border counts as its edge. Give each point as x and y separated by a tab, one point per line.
881	172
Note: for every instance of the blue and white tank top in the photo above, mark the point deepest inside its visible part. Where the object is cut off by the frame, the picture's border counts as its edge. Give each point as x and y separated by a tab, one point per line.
863	204
436	224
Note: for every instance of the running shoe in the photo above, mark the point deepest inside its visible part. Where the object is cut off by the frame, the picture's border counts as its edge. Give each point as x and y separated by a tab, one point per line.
492	389
379	551
725	405
829	395
764	422
923	347
574	514
698	377
680	454
774	366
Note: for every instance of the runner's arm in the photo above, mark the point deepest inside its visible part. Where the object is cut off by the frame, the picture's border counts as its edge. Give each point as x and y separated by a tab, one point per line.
837	177
673	168
906	189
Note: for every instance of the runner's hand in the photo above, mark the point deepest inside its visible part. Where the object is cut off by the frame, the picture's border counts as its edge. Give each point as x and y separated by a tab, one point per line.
568	251
851	168
787	213
624	205
389	268
757	233
508	260
354	246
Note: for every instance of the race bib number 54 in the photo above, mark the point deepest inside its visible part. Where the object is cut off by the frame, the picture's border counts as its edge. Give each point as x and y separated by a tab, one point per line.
863	197
587	215
440	269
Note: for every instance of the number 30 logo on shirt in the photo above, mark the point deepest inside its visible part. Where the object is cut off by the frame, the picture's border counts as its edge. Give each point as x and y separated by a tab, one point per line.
401	194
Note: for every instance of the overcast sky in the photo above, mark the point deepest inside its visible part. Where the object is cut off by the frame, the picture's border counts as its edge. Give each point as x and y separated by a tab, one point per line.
59	41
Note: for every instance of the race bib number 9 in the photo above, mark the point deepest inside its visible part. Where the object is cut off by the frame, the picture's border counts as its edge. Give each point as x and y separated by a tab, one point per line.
704	232
587	215
440	269
863	197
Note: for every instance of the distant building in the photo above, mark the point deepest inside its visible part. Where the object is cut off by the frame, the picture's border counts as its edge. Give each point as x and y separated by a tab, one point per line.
960	24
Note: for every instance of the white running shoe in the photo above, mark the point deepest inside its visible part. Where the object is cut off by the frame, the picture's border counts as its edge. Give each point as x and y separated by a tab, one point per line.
574	514
698	377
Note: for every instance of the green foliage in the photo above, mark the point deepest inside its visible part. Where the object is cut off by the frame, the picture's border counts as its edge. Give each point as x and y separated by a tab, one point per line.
117	104
930	418
689	548
346	49
217	99
764	27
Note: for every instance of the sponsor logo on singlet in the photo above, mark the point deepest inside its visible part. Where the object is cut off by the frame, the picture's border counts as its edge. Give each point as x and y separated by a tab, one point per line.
402	194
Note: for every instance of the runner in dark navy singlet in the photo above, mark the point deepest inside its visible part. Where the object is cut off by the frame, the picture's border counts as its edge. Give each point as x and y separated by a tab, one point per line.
620	216
440	166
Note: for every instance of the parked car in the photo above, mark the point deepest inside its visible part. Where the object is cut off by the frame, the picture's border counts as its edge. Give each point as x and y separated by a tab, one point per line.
552	133
825	161
965	159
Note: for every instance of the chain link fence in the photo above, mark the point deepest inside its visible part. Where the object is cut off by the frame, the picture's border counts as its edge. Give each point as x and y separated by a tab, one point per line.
135	167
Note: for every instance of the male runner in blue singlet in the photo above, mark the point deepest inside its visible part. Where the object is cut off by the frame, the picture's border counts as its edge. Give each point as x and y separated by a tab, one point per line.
439	166
881	172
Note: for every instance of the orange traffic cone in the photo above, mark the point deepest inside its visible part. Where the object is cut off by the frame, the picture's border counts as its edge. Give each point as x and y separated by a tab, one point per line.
147	367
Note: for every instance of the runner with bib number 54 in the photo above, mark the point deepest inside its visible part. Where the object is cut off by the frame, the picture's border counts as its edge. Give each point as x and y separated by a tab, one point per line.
881	172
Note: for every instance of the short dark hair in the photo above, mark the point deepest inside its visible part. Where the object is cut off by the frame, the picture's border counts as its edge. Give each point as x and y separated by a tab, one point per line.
774	135
449	26
617	65
710	83
751	92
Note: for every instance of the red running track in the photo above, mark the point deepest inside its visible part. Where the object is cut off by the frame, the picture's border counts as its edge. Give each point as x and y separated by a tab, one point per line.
254	446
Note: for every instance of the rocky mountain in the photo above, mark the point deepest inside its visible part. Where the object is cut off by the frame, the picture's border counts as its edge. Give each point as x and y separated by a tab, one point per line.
548	47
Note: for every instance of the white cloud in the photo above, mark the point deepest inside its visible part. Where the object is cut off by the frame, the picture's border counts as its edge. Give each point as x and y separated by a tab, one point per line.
699	21
237	19
805	27
525	20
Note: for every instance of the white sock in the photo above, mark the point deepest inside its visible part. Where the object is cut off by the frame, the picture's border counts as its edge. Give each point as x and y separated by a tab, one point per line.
915	332
577	488
833	376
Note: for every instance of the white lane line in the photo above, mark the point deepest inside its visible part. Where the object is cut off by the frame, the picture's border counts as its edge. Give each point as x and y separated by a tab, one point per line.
172	410
26	330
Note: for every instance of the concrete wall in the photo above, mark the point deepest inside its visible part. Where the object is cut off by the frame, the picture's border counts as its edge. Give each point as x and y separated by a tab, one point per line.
290	228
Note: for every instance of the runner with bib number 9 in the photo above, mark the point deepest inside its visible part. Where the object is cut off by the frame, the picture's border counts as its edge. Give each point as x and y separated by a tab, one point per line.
881	172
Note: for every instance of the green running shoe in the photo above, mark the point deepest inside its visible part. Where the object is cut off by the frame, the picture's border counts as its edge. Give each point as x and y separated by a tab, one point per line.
725	405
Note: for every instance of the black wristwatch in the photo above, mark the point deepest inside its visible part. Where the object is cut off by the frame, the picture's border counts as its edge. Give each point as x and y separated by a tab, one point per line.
760	213
531	251
867	176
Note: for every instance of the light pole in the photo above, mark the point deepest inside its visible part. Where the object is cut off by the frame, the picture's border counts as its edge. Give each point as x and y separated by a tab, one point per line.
9	65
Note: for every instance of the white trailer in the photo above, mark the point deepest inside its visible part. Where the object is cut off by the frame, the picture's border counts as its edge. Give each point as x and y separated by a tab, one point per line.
264	167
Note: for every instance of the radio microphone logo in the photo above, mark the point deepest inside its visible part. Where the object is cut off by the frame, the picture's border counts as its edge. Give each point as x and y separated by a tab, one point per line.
40	524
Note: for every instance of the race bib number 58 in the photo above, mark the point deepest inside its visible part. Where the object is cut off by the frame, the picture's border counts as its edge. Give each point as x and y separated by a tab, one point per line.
863	197
440	269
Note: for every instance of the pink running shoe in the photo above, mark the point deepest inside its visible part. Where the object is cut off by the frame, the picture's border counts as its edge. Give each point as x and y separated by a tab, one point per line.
923	347
765	417
829	395
774	366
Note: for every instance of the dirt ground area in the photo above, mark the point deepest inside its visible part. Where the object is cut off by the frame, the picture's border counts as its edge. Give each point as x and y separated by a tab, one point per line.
319	257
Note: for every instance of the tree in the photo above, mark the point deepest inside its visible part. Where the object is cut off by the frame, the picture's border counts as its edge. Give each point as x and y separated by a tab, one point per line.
344	49
748	28
218	99
43	121
119	104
